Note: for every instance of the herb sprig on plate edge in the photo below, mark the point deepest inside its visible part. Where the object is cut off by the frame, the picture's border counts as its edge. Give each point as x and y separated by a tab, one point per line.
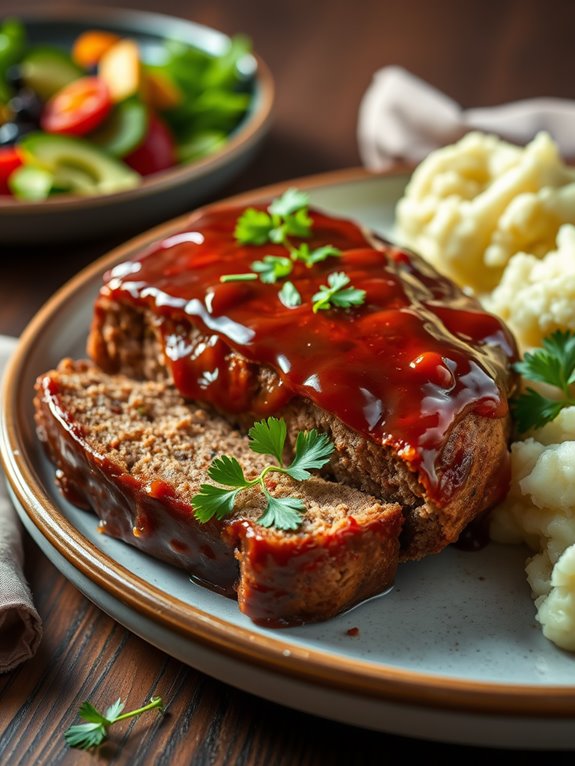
286	217
266	437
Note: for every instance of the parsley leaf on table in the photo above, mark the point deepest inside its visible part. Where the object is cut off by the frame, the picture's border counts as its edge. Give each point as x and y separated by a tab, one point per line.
266	437
554	365
86	736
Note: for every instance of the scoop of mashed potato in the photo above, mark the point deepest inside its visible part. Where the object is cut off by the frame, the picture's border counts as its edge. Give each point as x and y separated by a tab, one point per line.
537	296
500	221
540	512
469	207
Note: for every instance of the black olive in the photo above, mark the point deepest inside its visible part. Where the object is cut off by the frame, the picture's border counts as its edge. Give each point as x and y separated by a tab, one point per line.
14	77
26	106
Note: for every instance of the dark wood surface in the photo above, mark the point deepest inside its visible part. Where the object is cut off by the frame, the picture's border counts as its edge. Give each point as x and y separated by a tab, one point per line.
322	54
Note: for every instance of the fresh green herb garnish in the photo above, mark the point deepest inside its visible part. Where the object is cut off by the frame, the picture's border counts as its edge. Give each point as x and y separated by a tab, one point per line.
289	295
338	292
272	268
86	736
554	365
267	437
248	277
253	227
311	257
286	217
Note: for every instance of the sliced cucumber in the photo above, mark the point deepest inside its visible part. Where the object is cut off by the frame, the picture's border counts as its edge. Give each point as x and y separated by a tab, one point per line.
123	129
69	158
31	183
46	70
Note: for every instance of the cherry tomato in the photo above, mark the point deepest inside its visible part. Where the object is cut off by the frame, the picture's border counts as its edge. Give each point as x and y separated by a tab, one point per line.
9	160
77	108
156	152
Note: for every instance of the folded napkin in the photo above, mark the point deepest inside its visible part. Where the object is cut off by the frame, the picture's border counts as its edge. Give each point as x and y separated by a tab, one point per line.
20	624
402	119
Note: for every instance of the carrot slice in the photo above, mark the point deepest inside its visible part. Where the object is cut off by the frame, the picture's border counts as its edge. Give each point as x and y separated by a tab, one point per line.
90	46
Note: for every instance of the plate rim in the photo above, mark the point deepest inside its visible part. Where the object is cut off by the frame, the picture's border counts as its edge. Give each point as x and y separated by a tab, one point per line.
327	669
255	125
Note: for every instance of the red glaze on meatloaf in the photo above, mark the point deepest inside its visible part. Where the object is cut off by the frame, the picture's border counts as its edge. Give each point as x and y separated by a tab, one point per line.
412	386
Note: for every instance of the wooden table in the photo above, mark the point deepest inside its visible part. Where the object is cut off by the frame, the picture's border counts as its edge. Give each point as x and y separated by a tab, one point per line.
322	54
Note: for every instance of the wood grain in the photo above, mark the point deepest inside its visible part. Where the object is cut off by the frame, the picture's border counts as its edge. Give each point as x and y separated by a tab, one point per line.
322	54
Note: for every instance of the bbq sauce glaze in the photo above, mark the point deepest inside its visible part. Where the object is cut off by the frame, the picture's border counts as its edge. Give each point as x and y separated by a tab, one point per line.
399	369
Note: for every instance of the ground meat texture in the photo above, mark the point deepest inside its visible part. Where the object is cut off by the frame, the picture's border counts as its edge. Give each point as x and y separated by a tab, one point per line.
136	452
473	467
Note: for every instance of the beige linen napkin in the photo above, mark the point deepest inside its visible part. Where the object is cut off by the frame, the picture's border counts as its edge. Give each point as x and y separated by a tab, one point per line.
20	624
402	119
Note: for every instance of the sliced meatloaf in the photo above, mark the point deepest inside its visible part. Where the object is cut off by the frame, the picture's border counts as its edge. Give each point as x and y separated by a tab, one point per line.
411	386
136	453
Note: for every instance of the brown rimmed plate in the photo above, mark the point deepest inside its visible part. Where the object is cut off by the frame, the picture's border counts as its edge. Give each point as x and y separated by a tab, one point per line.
162	195
452	653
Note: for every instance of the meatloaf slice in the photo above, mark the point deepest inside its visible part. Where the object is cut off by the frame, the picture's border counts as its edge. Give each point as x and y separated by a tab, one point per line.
136	453
472	469
411	381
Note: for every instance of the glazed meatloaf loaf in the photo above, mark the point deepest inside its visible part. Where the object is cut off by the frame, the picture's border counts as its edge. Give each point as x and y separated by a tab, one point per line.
136	453
410	378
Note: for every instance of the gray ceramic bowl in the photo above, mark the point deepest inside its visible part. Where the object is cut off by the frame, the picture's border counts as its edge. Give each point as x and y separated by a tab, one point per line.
162	195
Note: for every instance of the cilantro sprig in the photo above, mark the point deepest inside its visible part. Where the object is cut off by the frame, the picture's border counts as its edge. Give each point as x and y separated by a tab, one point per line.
554	365
272	267
338	292
267	437
286	217
289	295
86	736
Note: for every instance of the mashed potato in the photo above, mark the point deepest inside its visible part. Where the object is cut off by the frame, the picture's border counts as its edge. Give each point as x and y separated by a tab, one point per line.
471	206
540	511
499	220
537	296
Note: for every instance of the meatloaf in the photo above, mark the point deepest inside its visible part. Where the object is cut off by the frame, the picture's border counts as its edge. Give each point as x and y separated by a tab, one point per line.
136	453
412	385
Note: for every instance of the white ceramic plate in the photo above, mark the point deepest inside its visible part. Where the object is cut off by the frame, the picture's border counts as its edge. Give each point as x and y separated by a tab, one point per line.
453	653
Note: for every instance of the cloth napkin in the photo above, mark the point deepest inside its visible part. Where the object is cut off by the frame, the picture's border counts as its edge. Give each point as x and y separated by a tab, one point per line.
402	119
20	624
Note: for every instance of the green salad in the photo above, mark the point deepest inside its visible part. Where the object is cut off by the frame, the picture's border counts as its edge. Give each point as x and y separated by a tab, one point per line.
97	118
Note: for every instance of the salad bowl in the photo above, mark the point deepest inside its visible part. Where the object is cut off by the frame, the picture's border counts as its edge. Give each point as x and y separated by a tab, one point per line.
162	193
